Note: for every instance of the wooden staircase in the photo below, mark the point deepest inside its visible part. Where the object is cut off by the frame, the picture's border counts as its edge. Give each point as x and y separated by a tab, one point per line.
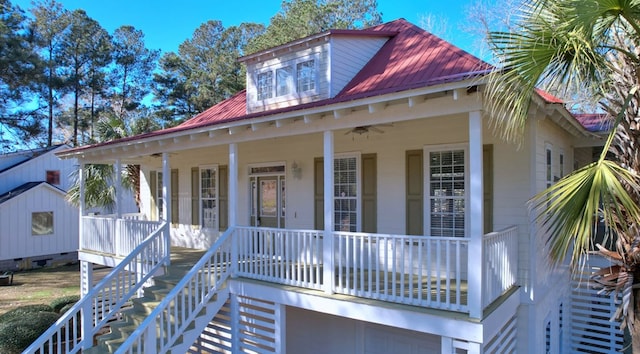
133	316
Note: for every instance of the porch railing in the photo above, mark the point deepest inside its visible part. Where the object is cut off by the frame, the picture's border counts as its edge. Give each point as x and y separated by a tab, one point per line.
116	237
105	299
500	263
415	270
291	257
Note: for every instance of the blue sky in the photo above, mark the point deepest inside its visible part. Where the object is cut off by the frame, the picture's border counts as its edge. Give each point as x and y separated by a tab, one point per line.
166	23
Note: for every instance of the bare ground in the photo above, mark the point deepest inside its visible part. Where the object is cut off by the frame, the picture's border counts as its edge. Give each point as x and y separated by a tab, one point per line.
40	286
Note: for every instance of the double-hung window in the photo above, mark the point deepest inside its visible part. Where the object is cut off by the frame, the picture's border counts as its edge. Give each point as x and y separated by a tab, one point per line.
284	81
209	197
306	76
159	196
265	85
446	185
346	193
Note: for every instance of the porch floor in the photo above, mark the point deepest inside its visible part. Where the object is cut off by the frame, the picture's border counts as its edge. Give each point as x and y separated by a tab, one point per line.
358	284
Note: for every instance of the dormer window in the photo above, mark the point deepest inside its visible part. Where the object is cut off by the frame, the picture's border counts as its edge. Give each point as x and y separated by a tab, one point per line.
265	80
305	76
284	81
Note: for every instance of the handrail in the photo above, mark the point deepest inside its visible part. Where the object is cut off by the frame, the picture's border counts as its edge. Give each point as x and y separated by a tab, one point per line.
187	299
123	282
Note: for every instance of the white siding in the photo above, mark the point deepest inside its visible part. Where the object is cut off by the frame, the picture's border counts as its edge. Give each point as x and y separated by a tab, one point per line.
15	218
35	170
348	57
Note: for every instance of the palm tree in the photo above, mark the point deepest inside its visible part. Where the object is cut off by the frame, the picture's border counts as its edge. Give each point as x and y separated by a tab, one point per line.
593	46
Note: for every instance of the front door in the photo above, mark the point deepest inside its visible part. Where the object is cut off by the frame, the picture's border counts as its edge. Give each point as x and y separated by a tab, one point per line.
268	199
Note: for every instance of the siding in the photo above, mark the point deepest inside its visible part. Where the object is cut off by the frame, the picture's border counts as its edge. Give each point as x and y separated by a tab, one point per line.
15	218
348	57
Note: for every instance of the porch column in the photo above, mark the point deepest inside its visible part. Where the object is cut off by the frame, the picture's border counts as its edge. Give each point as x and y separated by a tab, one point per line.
82	207
232	205
166	198
118	168
233	184
475	255
327	244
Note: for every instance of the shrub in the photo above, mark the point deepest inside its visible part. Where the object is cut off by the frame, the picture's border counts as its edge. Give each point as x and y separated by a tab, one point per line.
24	310
62	302
18	333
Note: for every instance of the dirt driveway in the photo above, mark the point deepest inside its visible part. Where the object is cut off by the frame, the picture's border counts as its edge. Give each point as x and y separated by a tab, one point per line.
40	286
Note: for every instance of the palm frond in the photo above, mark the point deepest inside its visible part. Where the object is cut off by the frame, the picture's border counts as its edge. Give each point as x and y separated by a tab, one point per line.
568	210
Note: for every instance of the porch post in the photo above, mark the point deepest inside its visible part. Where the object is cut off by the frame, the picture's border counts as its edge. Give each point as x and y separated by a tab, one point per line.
327	243
475	255
233	184
118	168
232	205
81	209
166	207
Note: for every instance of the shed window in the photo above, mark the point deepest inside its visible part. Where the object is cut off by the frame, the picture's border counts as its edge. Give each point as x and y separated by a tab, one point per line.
42	223
53	177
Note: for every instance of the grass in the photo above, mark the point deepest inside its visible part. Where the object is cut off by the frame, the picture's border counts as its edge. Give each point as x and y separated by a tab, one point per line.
40	286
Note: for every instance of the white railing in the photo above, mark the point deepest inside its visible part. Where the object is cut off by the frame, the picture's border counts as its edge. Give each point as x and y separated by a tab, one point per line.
105	299
159	331
114	237
415	270
291	257
500	263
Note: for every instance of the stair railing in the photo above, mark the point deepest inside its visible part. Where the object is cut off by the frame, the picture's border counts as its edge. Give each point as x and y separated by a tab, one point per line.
159	331
105	299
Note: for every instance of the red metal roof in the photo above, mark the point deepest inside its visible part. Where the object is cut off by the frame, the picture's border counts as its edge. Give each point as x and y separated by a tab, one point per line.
410	59
594	122
547	97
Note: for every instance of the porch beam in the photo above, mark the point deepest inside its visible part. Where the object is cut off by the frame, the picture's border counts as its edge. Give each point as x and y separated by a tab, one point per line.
376	107
237	129
282	122
340	113
475	260
327	250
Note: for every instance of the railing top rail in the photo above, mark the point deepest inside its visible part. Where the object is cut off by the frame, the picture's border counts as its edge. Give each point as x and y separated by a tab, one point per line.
148	321
502	231
275	229
408	237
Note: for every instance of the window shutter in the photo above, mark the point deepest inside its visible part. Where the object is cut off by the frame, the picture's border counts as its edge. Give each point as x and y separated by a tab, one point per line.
318	192
369	193
153	180
175	204
487	171
195	196
415	192
223	197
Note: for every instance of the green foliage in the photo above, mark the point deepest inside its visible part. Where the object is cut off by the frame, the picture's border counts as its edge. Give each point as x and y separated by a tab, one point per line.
23	311
301	18
18	333
58	304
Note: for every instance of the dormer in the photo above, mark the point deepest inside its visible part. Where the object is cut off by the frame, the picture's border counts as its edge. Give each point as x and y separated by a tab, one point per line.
309	69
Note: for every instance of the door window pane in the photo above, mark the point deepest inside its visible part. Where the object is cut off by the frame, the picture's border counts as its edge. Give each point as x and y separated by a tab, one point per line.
268	197
209	197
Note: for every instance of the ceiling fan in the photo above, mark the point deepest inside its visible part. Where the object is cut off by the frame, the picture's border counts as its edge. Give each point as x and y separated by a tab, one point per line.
365	129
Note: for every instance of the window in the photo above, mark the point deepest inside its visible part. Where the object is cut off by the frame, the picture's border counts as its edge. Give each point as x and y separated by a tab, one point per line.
209	197
305	76
561	162
53	177
346	193
42	223
265	85
284	81
447	199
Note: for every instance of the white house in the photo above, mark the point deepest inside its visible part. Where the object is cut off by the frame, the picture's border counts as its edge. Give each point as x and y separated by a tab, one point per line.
38	226
353	199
